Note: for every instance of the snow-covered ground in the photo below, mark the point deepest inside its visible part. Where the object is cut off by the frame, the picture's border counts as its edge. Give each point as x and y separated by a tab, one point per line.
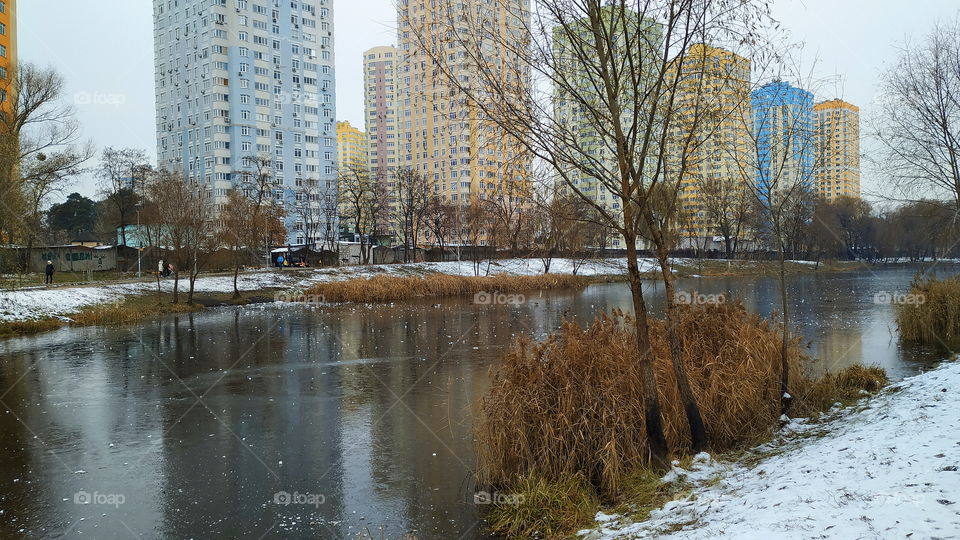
38	302
891	470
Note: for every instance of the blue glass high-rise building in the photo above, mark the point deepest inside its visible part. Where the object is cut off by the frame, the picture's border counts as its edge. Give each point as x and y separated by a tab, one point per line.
783	124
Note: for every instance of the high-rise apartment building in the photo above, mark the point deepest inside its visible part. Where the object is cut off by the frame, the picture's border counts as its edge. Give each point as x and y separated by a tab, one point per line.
838	141
714	92
785	141
8	46
351	147
242	79
443	136
381	66
568	109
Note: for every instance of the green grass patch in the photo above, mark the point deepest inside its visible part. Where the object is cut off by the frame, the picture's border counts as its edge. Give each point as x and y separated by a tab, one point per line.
537	508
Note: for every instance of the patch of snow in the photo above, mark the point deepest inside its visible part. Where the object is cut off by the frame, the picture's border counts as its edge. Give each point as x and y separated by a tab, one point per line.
889	470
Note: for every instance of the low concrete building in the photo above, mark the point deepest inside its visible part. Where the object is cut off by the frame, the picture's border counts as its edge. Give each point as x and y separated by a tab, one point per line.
74	258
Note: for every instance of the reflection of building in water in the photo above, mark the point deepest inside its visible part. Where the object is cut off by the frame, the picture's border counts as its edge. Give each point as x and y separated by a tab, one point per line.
266	426
409	382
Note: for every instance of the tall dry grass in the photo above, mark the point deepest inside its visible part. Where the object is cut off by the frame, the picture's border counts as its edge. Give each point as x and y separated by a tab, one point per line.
129	310
392	288
930	313
574	403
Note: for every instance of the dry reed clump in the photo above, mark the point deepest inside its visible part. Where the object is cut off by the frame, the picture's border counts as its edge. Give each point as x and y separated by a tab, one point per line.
10	329
930	313
574	404
391	288
845	387
128	311
545	509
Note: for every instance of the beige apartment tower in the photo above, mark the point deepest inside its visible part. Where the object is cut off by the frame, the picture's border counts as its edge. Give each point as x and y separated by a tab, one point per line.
380	68
718	168
837	169
442	136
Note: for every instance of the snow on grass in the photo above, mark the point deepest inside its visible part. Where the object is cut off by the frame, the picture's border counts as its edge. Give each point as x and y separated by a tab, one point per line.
889	470
38	303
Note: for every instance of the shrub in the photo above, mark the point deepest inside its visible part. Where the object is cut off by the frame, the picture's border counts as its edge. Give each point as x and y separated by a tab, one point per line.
129	310
930	314
574	404
392	288
846	387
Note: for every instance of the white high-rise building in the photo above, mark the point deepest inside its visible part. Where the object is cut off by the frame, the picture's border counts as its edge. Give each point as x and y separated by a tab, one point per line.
242	79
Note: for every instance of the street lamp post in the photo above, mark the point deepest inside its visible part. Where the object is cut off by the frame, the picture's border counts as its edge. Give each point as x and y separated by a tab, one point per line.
139	247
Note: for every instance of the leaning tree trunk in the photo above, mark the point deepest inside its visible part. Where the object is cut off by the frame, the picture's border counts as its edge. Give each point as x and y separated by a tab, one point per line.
698	433
653	418
193	280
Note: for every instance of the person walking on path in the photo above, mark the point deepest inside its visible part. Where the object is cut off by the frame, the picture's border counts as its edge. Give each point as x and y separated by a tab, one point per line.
49	274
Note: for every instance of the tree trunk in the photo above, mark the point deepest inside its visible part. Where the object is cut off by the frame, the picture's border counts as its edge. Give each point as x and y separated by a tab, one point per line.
785	396
698	433
176	286
236	275
659	450
193	280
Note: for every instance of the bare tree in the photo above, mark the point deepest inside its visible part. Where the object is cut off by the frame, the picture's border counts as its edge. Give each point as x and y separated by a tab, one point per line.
358	197
411	192
439	218
608	123
188	229
118	171
248	230
919	122
40	147
784	155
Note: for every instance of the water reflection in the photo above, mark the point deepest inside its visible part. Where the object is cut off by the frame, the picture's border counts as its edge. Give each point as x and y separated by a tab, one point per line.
203	422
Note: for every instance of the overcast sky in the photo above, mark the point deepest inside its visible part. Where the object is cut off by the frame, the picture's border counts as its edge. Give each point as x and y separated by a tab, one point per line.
104	49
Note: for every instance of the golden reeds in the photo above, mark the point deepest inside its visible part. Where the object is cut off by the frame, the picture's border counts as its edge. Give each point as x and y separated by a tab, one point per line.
393	288
930	313
574	403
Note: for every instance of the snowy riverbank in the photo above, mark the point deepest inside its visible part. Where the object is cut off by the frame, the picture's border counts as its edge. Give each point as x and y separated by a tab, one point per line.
41	302
888	470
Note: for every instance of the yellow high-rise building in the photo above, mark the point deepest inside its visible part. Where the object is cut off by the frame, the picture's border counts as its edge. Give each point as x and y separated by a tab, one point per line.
717	167
351	148
443	137
837	167
8	47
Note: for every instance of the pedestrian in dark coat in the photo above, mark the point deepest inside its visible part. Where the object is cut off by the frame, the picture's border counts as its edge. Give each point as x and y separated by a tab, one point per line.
49	273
